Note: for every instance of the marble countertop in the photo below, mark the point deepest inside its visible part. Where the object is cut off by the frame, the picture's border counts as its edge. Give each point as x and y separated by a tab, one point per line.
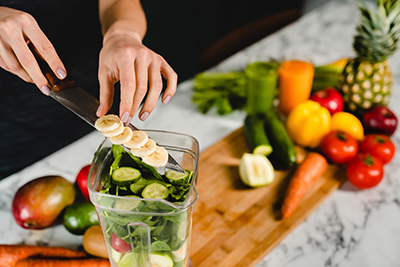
351	228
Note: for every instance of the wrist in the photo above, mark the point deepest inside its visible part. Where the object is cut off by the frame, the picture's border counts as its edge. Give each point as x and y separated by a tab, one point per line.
121	28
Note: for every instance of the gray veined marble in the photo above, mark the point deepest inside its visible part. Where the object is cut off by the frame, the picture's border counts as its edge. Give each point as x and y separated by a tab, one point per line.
351	228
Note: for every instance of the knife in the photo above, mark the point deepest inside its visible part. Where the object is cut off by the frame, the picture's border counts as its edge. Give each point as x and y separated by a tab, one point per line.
83	104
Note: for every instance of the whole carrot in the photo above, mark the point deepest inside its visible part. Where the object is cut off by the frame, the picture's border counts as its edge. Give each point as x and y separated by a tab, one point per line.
307	173
11	254
31	262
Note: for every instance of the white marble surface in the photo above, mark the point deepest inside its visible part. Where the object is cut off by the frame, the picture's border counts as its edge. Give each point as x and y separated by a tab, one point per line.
351	228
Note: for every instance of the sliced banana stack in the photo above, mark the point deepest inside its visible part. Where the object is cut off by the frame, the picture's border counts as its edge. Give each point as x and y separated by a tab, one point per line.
139	143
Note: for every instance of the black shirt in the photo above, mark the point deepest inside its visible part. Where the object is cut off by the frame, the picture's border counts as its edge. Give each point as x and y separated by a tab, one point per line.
33	125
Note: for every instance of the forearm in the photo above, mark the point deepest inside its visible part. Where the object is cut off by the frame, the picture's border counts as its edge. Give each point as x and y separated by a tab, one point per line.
121	17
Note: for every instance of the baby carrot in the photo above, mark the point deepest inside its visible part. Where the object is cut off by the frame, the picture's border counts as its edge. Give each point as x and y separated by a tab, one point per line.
307	173
63	263
11	254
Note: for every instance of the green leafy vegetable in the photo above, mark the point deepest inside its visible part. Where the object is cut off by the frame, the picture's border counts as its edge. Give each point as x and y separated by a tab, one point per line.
224	91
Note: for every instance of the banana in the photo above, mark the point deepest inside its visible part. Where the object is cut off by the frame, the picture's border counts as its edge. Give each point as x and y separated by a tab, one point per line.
115	132
138	140
107	123
145	150
122	138
158	158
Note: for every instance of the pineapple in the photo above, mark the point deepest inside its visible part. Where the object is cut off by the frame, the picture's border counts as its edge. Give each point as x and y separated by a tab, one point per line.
367	79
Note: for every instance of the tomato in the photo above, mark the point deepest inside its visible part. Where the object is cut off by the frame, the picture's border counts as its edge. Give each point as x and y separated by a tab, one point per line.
378	145
119	245
81	181
364	171
339	147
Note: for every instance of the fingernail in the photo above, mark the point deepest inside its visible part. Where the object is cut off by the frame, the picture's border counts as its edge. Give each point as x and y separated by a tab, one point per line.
46	90
61	74
144	116
166	100
125	118
98	110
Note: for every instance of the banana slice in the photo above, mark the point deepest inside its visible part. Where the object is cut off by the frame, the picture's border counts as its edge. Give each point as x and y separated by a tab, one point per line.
145	150
138	140
116	131
107	123
122	138
158	158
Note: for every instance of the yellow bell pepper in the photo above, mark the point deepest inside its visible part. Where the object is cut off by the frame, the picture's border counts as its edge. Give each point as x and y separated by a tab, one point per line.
308	123
348	123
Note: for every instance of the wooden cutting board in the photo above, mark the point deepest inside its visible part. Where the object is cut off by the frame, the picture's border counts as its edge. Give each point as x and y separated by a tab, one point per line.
234	225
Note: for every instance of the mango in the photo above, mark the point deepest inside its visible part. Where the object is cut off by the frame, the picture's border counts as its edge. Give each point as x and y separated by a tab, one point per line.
38	203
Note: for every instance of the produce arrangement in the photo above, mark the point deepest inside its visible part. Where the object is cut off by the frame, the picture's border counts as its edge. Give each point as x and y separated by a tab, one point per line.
344	118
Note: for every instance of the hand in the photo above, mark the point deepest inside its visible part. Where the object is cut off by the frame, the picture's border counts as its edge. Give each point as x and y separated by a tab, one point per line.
124	58
17	29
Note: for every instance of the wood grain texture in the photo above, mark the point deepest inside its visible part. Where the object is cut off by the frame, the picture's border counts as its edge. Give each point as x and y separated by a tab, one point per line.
235	225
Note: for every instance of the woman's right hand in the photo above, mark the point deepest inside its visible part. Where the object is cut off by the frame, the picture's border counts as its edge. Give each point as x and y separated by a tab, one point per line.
17	29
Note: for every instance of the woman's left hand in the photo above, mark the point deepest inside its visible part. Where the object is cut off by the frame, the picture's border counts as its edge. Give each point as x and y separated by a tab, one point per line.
124	58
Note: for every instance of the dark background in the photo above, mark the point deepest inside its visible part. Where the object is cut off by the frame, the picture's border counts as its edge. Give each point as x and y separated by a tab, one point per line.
197	34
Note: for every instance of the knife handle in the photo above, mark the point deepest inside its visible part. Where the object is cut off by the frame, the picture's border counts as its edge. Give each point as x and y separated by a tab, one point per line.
55	83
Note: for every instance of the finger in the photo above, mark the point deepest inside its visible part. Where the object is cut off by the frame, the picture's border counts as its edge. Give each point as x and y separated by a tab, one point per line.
172	79
46	50
106	92
19	71
29	63
141	86
155	83
128	87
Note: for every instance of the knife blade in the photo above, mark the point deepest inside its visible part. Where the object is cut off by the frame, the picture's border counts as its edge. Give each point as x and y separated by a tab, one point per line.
83	104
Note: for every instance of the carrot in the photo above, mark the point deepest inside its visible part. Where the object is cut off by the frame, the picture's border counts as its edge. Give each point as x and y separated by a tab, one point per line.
11	254
307	173
92	262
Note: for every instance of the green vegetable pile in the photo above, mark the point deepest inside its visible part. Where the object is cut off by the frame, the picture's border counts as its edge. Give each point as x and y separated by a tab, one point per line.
149	175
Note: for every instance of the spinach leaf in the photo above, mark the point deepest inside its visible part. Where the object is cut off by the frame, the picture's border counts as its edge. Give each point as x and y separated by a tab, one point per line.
160	246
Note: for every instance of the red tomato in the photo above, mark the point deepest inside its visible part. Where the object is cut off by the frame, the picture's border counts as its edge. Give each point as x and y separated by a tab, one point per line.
378	145
81	181
339	147
119	245
364	171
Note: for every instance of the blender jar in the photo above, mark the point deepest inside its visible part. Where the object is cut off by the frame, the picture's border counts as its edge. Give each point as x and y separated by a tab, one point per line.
146	232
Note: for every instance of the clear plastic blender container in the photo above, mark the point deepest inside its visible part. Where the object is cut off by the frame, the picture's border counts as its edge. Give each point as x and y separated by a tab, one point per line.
146	232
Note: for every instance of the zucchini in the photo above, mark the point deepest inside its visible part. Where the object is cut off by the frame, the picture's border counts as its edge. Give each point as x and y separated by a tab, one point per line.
284	153
256	137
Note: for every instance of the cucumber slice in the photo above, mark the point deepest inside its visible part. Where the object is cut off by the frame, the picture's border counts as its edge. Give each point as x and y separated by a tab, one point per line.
177	178
125	176
161	260
256	170
155	191
264	150
127	204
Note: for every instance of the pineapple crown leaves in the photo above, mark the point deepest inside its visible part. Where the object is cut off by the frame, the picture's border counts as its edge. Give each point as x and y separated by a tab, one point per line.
378	31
